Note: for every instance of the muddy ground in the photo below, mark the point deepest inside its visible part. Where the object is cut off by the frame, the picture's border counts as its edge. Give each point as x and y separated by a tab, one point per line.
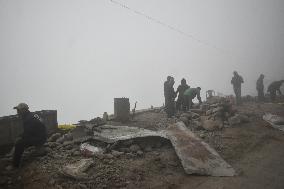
254	149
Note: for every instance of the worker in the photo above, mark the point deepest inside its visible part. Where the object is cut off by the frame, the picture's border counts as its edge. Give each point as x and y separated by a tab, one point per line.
170	95
210	94
237	81
191	93
260	88
182	103
34	132
273	88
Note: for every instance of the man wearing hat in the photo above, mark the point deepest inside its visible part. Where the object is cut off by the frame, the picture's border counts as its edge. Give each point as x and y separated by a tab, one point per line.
34	132
170	96
182	103
237	81
260	88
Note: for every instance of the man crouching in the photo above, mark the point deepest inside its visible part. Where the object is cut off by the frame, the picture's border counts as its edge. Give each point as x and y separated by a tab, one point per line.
34	132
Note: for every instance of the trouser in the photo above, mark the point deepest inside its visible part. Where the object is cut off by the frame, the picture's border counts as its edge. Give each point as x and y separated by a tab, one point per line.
273	95
181	103
170	107
20	146
186	103
238	93
260	95
189	102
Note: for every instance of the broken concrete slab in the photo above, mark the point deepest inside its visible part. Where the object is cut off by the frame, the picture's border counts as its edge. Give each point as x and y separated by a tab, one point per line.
274	121
117	133
196	156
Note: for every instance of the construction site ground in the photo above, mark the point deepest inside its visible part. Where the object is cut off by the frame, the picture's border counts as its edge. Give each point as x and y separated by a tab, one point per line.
254	149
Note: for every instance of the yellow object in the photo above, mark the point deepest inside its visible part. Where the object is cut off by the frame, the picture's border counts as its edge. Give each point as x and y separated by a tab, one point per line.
66	127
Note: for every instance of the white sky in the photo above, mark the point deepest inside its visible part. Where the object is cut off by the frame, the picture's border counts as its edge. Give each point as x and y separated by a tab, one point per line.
77	55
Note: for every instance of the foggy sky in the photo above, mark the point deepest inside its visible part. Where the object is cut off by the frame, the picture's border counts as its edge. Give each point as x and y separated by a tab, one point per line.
75	56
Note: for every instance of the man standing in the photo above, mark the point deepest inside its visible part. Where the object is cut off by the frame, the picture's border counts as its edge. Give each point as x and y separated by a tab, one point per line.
34	132
170	95
191	93
237	81
182	103
273	87
260	88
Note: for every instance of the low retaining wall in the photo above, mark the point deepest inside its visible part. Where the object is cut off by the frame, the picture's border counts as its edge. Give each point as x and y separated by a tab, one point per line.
11	126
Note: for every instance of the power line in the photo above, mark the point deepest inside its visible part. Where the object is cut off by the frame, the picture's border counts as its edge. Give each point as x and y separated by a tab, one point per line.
157	21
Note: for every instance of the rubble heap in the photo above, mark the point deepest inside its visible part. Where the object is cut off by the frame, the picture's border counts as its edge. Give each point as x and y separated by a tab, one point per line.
213	115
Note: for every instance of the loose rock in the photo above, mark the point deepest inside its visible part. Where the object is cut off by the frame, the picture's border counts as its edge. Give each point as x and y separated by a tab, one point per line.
134	148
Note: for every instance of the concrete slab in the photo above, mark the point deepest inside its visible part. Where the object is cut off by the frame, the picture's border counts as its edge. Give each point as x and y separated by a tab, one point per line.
117	133
274	121
196	156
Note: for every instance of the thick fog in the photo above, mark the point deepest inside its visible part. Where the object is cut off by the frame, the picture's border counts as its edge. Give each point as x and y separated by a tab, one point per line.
75	56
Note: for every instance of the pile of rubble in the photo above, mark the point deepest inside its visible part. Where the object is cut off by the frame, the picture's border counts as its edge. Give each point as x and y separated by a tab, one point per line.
86	156
84	163
213	115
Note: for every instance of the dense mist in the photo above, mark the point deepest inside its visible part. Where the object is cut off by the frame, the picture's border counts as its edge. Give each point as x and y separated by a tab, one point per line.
76	56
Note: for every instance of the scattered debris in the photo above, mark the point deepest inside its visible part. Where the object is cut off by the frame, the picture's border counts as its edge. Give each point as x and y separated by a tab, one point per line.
54	137
151	147
275	121
88	150
78	169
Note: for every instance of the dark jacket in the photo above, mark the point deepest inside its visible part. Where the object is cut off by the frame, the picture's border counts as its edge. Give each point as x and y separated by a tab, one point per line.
169	91
237	81
33	127
259	84
192	93
274	86
181	89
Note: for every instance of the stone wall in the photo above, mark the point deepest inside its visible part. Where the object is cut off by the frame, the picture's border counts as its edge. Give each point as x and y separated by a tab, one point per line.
11	126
